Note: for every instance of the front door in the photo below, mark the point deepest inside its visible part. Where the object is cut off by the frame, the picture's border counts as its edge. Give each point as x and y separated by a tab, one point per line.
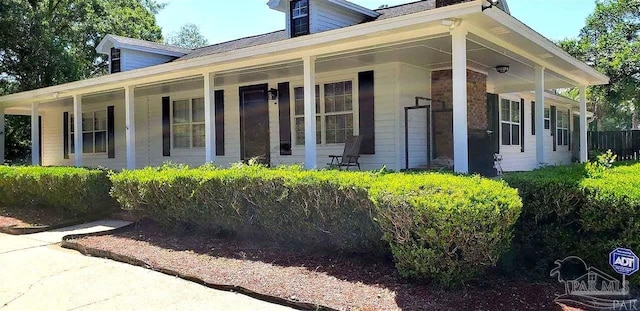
254	123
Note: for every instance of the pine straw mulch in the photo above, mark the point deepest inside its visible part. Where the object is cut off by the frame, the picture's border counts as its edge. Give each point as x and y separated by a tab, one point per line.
336	281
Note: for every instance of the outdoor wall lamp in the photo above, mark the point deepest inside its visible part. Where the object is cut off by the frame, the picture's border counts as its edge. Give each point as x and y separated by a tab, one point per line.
502	68
491	4
273	94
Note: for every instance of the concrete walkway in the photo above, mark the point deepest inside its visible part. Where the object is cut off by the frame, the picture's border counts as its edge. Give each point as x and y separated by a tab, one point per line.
38	275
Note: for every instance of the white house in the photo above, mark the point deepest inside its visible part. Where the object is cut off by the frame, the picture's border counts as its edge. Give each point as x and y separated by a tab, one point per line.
478	75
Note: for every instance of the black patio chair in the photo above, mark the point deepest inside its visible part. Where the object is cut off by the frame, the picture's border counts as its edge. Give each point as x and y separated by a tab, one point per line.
350	156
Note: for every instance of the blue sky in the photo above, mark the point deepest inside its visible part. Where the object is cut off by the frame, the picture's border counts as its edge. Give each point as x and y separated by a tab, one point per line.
221	20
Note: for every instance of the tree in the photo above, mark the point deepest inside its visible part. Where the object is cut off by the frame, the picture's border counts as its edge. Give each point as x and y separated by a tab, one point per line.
188	36
50	42
610	42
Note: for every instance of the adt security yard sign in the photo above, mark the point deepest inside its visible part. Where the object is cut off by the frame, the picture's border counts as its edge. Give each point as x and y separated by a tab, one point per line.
624	261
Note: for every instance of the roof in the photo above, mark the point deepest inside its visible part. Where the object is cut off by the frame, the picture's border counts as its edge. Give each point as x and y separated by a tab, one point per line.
281	35
143	45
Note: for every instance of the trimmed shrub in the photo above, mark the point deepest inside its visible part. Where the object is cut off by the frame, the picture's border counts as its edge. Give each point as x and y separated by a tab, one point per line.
439	227
70	191
444	227
571	211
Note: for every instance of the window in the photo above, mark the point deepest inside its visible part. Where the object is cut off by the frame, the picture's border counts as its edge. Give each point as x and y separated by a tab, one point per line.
563	128
299	18
299	115
115	60
94	132
334	113
187	123
547	118
510	122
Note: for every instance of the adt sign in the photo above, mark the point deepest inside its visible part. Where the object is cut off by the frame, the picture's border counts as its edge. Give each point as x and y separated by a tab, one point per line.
624	261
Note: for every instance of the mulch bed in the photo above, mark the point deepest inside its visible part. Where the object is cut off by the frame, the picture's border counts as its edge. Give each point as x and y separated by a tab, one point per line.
335	281
29	217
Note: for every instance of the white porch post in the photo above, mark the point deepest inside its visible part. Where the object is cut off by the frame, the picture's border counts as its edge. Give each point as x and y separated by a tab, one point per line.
35	135
130	126
460	126
1	136
584	152
77	130
540	154
209	117
310	151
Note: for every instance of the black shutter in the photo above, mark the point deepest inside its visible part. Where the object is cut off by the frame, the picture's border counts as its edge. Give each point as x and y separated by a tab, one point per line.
166	127
219	107
554	127
522	125
284	117
366	100
493	114
533	118
111	137
569	126
65	134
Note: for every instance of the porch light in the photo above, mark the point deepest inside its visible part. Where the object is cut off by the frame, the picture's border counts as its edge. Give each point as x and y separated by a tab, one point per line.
491	4
502	68
273	94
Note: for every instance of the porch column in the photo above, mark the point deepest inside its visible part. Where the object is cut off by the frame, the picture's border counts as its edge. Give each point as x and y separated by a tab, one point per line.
130	126
584	151
1	136
209	117
77	130
460	126
539	76
35	135
310	151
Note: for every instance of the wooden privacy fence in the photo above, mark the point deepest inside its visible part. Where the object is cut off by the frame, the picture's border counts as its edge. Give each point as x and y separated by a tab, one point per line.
625	144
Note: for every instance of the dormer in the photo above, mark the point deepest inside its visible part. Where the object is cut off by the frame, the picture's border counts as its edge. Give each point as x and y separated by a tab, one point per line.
305	17
128	54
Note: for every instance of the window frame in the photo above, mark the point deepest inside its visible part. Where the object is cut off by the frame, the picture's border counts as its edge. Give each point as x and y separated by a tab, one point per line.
112	58
304	17
322	114
190	123
71	132
547	118
562	129
511	123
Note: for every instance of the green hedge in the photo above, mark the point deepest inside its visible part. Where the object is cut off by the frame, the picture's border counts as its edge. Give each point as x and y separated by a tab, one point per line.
71	191
568	211
441	227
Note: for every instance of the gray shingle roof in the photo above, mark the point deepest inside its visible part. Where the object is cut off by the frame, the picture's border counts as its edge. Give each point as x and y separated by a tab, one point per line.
150	45
390	12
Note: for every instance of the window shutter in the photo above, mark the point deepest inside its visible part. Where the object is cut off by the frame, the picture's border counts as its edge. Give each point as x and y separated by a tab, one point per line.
493	113
219	107
284	115
554	127
166	127
366	102
65	134
533	118
569	126
111	148
522	124
40	139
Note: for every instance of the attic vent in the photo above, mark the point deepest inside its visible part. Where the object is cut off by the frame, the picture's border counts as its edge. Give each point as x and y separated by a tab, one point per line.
114	60
441	3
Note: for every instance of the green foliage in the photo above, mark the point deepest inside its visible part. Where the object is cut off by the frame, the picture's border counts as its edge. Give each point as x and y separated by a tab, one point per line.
71	191
602	163
567	212
445	227
439	227
189	37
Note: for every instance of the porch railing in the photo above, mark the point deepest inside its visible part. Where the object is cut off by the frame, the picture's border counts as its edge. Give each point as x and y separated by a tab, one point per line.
624	144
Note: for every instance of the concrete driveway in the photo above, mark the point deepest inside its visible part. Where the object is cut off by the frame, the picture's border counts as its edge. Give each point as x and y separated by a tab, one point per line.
37	275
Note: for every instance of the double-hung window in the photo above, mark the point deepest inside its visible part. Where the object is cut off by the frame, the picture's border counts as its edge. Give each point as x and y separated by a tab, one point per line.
563	128
187	123
510	122
334	113
94	132
299	18
547	118
115	60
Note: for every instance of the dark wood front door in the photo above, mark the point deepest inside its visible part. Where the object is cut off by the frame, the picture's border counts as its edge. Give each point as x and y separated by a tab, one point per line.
254	123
